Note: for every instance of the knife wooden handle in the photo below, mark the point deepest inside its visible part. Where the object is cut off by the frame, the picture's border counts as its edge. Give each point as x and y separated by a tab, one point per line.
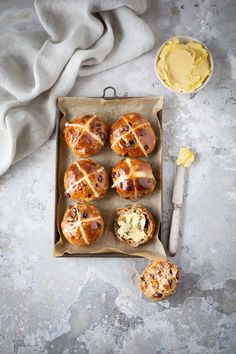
174	232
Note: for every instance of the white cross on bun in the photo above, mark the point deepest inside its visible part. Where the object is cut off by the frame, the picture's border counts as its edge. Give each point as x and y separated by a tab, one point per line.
85	180
85	135
132	135
133	178
82	224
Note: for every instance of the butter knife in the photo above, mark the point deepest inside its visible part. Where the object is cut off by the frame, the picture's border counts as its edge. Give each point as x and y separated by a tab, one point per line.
177	200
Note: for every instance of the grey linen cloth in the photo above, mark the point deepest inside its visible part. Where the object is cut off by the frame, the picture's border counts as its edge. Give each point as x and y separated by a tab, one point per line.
79	38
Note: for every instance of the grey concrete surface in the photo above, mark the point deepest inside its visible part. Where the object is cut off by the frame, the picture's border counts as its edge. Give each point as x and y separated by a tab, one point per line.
65	306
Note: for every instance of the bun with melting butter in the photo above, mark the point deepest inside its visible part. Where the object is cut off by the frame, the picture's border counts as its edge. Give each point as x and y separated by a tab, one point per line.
134	225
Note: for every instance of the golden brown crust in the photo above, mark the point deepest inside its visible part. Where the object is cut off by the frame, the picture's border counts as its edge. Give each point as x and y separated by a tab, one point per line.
132	135
133	178
134	225
82	224
159	279
86	180
85	135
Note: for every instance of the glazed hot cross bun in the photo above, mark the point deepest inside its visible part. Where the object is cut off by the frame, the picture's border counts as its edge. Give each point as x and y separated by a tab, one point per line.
132	135
82	224
85	135
133	178
85	180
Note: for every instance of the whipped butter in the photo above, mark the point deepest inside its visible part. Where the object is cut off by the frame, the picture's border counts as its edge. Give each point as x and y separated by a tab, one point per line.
185	157
183	67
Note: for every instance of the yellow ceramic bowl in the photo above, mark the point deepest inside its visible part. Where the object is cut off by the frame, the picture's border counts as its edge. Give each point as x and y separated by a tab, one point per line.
183	39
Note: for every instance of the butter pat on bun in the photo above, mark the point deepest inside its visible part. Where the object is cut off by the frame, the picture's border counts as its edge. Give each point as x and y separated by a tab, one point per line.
134	225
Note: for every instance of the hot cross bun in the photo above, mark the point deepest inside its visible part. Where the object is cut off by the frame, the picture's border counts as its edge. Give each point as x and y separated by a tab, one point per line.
132	135
85	135
85	180
133	178
134	225
159	279
82	224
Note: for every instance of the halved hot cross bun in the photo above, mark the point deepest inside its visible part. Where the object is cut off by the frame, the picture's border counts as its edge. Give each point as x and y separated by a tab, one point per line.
134	225
159	279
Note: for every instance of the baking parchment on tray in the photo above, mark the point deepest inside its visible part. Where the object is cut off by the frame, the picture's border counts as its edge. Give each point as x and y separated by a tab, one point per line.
109	110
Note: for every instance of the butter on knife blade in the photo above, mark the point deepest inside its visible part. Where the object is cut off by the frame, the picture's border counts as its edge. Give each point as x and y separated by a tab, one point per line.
185	159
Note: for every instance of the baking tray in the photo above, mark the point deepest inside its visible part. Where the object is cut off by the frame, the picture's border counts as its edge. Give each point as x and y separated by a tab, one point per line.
59	116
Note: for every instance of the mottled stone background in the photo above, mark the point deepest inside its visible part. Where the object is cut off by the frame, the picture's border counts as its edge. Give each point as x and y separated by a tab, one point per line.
51	305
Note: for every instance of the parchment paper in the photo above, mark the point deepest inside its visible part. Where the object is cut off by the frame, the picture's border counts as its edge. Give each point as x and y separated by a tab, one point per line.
109	110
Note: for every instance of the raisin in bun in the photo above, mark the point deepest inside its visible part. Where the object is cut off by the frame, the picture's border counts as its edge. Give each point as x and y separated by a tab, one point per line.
159	279
85	135
132	135
134	225
133	178
82	224
85	180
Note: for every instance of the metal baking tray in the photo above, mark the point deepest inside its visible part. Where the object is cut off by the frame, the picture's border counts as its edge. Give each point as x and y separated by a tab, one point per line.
56	233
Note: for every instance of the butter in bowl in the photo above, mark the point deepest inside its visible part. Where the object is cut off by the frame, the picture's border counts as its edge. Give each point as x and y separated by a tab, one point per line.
183	65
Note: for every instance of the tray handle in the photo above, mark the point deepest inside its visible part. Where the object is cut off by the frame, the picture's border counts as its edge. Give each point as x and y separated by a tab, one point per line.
109	88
